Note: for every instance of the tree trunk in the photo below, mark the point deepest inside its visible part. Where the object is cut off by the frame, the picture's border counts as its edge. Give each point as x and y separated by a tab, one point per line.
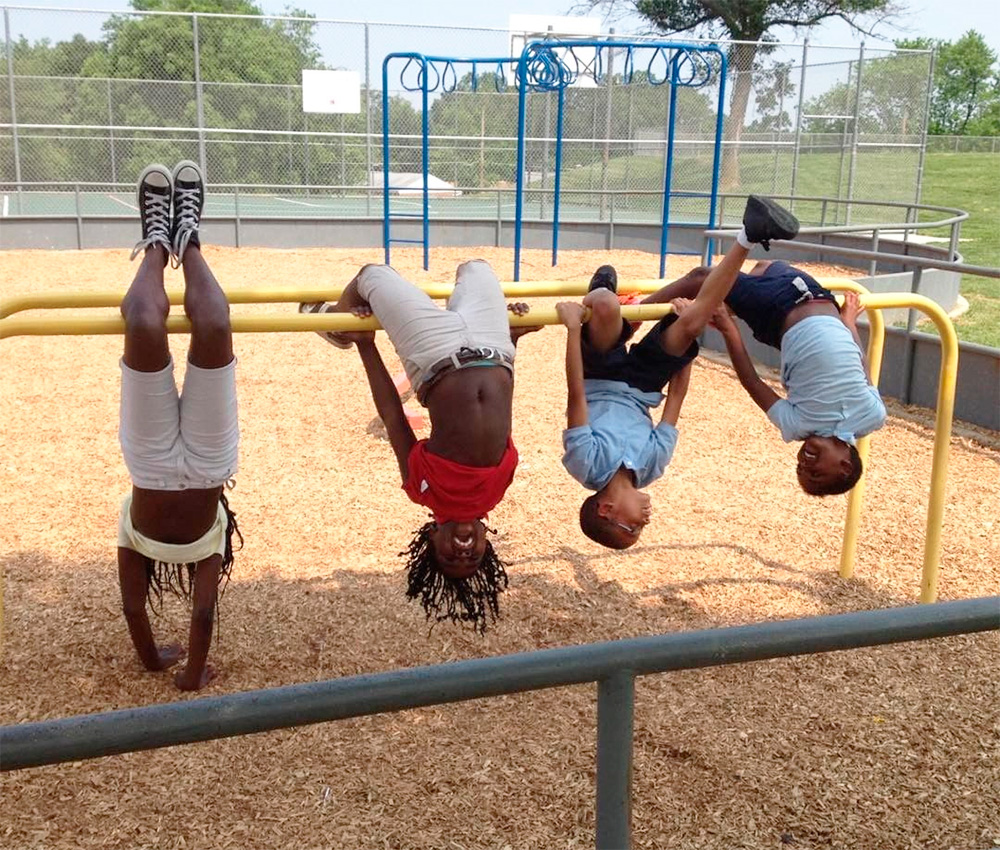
741	60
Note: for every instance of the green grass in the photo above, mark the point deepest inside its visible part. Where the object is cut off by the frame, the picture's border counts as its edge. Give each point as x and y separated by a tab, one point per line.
971	181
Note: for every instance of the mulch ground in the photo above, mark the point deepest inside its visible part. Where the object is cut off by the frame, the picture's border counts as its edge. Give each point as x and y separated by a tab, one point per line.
888	748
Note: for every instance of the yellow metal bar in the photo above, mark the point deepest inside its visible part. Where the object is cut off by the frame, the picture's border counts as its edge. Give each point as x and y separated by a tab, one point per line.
276	323
942	428
271	295
113	297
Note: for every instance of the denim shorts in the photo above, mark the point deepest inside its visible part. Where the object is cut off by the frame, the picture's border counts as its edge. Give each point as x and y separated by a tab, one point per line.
763	301
645	366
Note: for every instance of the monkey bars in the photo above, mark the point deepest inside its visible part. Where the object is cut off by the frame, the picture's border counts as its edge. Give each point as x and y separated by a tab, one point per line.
12	325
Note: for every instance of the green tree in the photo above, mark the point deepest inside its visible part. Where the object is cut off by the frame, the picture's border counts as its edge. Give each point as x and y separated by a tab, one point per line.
966	86
749	23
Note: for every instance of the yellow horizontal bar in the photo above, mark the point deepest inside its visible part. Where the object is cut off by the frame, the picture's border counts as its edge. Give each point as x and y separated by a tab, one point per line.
271	295
282	322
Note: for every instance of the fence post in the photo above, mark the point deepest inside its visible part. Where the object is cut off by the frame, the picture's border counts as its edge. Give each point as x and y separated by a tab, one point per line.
13	105
798	123
111	132
854	137
923	132
368	123
615	717
873	265
198	95
606	158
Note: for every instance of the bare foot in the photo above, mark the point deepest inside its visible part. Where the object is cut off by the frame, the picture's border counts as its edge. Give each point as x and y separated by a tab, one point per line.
168	656
185	681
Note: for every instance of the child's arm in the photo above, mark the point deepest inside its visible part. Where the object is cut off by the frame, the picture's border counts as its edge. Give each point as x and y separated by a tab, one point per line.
571	315
132	577
387	402
676	391
849	316
764	397
196	673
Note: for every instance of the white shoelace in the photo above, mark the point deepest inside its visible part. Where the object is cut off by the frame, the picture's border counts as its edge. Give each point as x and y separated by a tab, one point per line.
187	217
158	223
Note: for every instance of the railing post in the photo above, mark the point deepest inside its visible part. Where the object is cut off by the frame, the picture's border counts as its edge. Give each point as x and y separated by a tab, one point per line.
873	265
611	221
236	210
79	217
499	216
615	717
198	95
910	344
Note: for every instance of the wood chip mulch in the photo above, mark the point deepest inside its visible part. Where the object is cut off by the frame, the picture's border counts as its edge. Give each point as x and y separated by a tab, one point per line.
896	747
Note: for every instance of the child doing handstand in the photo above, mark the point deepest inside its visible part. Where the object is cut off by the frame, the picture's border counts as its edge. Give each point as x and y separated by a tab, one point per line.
175	528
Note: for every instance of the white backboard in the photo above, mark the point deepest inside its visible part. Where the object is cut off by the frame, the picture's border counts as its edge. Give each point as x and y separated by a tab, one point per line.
331	91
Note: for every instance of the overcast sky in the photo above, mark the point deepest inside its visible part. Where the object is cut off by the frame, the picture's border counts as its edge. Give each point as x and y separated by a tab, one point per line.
947	19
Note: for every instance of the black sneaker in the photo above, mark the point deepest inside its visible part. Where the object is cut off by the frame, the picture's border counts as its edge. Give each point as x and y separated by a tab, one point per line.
604	278
765	220
155	189
189	201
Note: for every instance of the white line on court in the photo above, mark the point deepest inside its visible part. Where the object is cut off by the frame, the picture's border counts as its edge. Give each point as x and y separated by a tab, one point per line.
290	201
123	203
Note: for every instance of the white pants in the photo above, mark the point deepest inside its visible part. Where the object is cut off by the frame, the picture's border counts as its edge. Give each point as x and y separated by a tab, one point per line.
179	442
422	333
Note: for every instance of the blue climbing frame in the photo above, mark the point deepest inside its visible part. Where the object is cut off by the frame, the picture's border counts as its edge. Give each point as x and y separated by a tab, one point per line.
549	65
433	73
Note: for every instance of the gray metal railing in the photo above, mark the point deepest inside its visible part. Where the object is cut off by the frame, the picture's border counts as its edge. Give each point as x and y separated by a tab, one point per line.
614	665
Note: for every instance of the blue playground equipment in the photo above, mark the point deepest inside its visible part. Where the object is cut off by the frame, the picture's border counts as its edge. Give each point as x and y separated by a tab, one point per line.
552	66
433	73
555	65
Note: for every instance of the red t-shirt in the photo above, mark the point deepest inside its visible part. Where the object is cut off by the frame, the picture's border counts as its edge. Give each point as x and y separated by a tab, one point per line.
454	491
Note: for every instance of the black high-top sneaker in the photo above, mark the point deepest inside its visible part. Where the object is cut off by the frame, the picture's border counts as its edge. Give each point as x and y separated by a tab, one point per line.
765	220
189	201
155	189
604	278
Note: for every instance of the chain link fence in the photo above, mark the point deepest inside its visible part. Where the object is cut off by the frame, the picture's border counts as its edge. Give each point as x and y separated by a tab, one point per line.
91	97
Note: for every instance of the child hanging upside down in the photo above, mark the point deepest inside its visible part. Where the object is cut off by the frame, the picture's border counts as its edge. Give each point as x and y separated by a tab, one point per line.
611	445
460	363
176	529
830	400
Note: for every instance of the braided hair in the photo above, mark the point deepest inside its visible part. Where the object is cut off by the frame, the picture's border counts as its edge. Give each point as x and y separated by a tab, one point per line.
179	578
467	600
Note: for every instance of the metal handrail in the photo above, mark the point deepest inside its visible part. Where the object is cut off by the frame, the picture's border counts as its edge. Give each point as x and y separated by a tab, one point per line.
614	665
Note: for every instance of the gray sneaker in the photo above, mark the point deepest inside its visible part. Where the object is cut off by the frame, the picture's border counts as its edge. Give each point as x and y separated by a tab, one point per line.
189	201
155	189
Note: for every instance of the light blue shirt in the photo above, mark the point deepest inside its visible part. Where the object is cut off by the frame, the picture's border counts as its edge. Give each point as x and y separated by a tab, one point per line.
823	373
619	433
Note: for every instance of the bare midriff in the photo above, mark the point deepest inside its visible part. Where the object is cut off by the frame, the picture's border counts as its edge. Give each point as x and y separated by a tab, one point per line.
174	516
470	411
